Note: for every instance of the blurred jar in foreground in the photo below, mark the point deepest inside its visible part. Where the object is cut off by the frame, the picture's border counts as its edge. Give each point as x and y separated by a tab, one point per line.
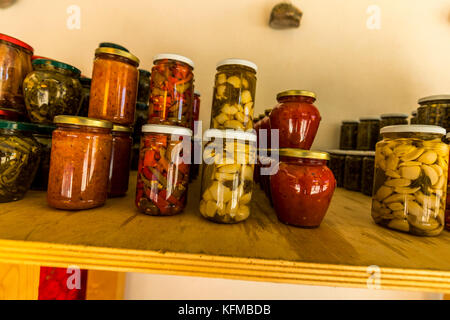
337	165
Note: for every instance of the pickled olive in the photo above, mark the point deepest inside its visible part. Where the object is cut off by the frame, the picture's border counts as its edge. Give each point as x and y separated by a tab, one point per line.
368	132
411	167
349	133
234	95
171	90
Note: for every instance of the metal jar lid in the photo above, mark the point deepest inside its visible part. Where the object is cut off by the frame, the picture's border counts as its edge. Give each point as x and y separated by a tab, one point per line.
439	97
83	121
119	128
300	153
300	93
166	129
118	52
57	64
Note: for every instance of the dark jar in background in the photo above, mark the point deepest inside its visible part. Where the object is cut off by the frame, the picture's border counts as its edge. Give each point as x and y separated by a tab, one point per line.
368	132
43	135
119	171
349	133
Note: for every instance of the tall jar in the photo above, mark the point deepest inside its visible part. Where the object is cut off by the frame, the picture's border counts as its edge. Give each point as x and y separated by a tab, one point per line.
15	64
52	89
19	159
367	175
234	95
163	173
143	94
337	166
43	135
171	90
119	170
411	165
304	181
227	181
296	118
368	132
433	110
114	86
79	163
85	96
353	170
349	133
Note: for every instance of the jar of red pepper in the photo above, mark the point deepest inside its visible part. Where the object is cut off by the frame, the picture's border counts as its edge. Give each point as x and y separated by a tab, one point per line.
296	118
163	172
119	171
302	187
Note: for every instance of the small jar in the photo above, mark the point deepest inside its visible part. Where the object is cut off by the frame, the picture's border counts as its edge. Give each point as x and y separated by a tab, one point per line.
52	89
85	96
171	90
337	166
227	181
19	159
143	94
163	173
392	119
43	135
195	109
302	187
368	132
433	110
79	163
353	170
296	118
114	86
234	95
411	165
15	64
367	176
119	170
10	114
349	133
413	119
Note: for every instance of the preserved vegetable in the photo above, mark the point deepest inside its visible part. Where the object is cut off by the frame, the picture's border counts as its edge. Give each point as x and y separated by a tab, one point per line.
368	132
349	133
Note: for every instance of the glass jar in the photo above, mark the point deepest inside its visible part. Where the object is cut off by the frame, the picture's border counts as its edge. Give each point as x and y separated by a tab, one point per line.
304	181
265	125
353	170
135	155
296	118
43	135
85	96
433	110
112	45
15	64
141	119
195	109
368	132
52	89
264	179
392	119
19	159
447	210
163	173
114	86
349	133
337	166
143	94
367	175
79	163
413	119
195	163
119	170
171	90
10	114
234	95
227	180
411	165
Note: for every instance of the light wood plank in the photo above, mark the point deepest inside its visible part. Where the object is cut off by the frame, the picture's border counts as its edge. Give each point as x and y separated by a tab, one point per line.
105	285
19	281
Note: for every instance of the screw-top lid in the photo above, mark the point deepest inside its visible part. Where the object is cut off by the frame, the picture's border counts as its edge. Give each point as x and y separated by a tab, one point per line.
301	93
162	128
17	42
57	64
171	56
39	57
368	118
300	153
419	128
234	61
394	115
230	134
118	128
112	45
118	52
16	125
197	93
83	121
338	151
439	97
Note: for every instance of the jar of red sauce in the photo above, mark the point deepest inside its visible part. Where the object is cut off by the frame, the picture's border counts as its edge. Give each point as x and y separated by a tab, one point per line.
119	171
79	163
296	118
302	187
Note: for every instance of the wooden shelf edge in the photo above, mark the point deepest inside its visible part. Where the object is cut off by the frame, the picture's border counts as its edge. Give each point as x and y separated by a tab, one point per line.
278	271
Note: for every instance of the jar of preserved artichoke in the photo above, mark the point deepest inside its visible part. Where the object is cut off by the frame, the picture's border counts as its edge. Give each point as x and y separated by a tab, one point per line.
337	165
85	96
19	159
52	89
349	133
411	166
43	135
413	119
368	132
367	175
234	95
433	110
353	170
392	119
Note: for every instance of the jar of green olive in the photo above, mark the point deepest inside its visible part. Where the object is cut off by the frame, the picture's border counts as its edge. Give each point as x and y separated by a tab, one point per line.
392	119
433	110
368	131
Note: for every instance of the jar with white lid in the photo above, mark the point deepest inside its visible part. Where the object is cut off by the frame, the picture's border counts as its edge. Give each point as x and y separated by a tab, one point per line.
411	167
433	110
368	131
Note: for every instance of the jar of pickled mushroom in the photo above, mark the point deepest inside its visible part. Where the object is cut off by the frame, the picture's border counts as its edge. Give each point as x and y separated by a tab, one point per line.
43	135
119	170
413	119
304	181
353	170
171	90
367	175
85	96
433	110
411	165
143	94
114	86
227	180
337	165
15	64
392	119
296	118
368	132
349	133
163	173
195	109
52	89
79	163
10	114
19	159
234	95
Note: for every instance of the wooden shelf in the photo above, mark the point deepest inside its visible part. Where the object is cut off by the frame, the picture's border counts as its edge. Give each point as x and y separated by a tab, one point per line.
117	238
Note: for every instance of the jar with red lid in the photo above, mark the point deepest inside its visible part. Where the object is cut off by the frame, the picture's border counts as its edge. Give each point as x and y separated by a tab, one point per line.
114	86
171	90
304	181
15	64
119	171
296	118
163	172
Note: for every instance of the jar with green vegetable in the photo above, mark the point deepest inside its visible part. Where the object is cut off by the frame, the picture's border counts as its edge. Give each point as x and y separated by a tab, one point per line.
368	132
433	110
353	170
392	119
368	168
337	165
349	133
